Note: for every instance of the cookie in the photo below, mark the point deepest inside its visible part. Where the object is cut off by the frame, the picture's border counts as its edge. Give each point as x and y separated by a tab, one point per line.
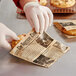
63	3
15	42
43	2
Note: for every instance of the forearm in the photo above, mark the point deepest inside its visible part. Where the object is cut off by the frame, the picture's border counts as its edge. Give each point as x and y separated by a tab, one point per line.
23	2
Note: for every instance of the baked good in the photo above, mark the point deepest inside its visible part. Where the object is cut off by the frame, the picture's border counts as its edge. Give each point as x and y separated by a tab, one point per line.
43	2
63	3
68	28
15	42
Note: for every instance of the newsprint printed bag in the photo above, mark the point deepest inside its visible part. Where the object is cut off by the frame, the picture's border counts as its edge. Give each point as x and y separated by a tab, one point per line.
68	28
41	50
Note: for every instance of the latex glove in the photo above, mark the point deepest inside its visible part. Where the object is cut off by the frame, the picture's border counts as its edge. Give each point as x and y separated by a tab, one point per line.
6	32
40	17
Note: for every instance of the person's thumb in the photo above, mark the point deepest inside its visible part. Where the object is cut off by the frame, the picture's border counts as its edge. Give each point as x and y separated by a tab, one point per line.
13	35
4	43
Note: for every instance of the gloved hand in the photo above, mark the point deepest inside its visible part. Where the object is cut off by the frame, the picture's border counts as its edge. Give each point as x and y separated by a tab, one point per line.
4	33
40	17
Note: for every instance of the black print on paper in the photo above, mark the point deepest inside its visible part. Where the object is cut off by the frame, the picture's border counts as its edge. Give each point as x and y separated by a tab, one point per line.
68	24
45	40
42	60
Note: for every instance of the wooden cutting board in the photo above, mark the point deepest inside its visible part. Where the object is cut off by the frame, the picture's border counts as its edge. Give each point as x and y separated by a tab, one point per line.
64	16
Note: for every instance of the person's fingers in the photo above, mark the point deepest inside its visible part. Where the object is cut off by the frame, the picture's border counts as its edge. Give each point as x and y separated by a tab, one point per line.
46	20
12	35
4	43
9	39
35	20
30	21
50	14
41	21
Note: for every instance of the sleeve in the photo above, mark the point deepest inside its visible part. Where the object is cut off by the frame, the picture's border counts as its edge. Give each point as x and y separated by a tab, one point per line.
17	4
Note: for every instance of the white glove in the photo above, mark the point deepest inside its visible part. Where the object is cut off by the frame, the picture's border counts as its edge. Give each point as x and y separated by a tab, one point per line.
40	17
6	32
